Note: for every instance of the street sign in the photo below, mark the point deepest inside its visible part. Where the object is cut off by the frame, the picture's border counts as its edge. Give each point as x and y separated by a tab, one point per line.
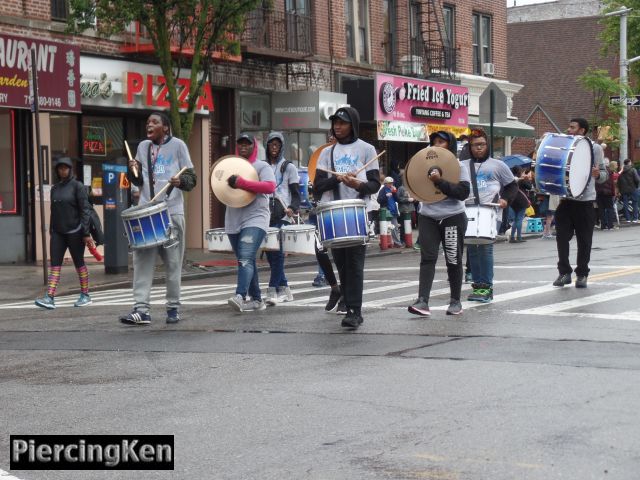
499	104
632	101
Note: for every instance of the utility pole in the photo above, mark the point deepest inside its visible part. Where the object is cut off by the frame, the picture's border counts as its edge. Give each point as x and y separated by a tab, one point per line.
624	82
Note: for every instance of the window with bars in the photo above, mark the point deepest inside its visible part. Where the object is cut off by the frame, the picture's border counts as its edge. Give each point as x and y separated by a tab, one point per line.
59	10
481	33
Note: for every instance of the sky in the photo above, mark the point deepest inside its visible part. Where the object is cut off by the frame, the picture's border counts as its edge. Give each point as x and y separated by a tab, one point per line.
523	2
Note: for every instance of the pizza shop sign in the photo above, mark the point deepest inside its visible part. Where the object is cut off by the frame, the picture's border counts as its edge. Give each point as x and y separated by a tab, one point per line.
138	87
413	100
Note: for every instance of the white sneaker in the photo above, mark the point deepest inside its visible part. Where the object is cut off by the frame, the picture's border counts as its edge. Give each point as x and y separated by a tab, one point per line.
272	296
284	294
236	302
254	305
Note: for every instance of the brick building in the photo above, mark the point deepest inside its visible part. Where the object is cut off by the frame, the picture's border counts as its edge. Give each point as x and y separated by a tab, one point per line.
550	46
301	59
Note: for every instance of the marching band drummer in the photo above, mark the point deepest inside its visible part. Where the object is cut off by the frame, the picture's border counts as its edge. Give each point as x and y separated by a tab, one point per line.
246	226
158	160
442	221
346	156
492	178
577	215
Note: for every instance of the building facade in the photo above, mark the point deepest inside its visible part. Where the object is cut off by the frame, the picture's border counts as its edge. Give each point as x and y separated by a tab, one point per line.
300	60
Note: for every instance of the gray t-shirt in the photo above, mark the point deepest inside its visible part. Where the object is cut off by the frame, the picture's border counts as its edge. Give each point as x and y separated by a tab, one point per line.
491	176
347	158
283	180
447	207
167	160
256	214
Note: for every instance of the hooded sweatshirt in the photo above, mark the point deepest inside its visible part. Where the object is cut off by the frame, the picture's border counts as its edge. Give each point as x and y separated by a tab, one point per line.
287	181
347	155
256	213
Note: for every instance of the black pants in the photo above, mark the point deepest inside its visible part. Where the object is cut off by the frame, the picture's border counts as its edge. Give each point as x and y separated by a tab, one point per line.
60	242
350	264
322	256
605	208
450	232
579	218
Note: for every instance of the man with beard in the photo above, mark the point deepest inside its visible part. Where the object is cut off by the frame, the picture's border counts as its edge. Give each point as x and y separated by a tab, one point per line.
158	161
345	157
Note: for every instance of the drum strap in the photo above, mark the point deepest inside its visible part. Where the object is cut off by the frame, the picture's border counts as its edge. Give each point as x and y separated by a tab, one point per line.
336	190
150	173
474	181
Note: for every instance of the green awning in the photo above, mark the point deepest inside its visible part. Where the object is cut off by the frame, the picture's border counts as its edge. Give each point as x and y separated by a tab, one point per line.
510	128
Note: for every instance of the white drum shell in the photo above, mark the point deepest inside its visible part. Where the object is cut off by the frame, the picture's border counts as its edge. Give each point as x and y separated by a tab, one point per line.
299	239
218	241
481	225
271	239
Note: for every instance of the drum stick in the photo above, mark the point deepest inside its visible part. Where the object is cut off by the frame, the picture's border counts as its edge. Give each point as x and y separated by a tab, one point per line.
328	171
134	169
167	185
370	162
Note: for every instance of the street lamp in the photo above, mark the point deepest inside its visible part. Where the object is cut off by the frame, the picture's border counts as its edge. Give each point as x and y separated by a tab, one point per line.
624	66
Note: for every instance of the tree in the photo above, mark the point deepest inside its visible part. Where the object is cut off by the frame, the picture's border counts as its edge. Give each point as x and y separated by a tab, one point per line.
202	26
610	36
598	82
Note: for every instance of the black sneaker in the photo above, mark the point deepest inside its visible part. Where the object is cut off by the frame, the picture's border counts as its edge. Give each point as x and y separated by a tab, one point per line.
352	320
420	307
172	315
581	281
334	298
342	307
562	280
136	318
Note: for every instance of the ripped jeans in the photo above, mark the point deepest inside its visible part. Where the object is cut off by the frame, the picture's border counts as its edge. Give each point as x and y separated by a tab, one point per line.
245	245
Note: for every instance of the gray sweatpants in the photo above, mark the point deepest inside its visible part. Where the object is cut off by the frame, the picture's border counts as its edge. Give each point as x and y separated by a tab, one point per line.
144	263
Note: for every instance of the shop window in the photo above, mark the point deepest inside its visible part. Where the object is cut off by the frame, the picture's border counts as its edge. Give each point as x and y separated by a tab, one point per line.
8	181
254	111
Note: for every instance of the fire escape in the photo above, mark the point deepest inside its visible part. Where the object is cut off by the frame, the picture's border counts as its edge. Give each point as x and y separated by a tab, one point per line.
281	38
432	55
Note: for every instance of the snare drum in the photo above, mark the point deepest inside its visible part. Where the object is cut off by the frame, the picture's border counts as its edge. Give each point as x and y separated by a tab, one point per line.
481	225
147	225
342	223
218	240
299	239
563	164
271	239
305	189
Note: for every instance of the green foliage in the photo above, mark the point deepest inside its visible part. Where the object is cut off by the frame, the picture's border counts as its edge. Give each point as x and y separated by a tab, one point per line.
202	26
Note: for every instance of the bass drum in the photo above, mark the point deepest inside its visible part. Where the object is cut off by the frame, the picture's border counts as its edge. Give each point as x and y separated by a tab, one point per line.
563	164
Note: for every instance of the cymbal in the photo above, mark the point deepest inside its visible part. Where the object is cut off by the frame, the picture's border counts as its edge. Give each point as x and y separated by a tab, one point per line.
416	173
313	161
220	173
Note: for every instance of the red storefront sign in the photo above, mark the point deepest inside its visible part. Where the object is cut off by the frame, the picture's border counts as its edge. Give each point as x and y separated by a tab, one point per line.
139	84
58	70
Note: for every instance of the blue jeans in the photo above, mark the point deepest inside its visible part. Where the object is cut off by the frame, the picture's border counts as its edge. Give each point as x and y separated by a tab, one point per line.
276	261
245	245
516	226
630	198
481	259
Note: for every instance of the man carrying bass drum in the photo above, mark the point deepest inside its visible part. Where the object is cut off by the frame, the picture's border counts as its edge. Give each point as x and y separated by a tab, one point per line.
346	156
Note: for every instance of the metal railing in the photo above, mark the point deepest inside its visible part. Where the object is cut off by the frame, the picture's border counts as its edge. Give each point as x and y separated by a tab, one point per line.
278	31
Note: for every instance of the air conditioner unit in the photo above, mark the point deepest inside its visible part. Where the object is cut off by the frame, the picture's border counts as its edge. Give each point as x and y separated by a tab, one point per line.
411	65
488	69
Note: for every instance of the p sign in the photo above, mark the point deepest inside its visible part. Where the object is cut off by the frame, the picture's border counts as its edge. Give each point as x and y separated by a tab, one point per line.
110	178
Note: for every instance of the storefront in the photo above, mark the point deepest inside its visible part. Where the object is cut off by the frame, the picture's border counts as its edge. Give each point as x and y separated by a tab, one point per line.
58	88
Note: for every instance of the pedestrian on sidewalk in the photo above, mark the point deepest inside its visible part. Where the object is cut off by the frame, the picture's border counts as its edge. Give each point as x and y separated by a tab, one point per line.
628	183
284	203
388	198
349	154
605	199
69	229
492	182
158	160
444	221
519	205
246	226
577	216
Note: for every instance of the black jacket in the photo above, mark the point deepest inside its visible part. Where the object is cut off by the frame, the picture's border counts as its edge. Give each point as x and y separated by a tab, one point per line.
69	207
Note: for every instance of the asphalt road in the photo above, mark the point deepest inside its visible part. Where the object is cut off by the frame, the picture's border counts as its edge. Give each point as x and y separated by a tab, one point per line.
542	383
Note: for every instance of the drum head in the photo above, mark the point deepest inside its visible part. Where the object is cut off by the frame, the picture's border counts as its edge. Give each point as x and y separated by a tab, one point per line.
580	167
220	173
416	173
313	161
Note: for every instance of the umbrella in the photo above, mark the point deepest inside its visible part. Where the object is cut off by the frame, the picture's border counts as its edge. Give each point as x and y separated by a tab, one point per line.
517	161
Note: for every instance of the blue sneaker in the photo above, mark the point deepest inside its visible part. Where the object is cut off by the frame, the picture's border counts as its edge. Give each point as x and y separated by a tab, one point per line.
172	315
46	302
83	300
136	318
319	281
